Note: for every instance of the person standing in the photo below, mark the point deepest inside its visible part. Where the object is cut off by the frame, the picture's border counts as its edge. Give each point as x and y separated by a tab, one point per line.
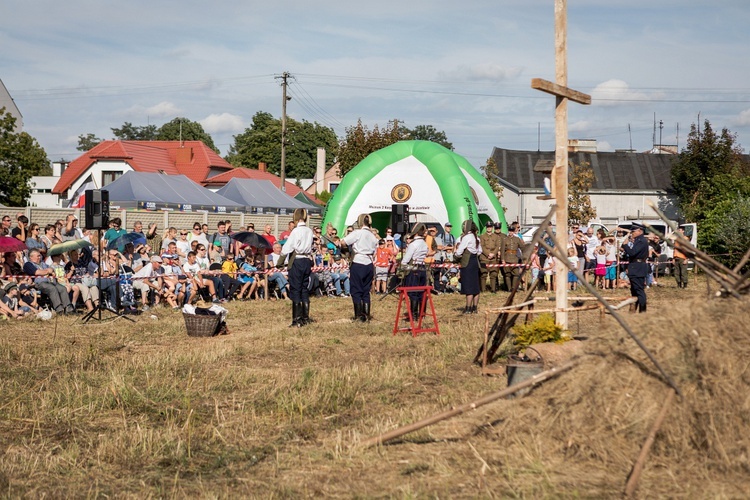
488	257
509	256
680	261
413	260
362	244
300	242
636	251
469	247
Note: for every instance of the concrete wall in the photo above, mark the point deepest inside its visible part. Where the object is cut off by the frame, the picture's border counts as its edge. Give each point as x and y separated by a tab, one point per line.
163	219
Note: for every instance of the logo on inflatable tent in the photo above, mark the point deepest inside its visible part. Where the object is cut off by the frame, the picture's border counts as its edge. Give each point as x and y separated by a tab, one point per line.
401	193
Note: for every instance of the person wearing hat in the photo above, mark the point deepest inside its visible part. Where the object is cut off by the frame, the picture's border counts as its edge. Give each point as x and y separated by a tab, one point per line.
489	256
636	251
510	256
413	261
300	244
148	278
362	244
449	242
469	248
680	260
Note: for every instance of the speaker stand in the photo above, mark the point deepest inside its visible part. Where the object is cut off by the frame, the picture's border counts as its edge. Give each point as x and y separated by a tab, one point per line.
96	313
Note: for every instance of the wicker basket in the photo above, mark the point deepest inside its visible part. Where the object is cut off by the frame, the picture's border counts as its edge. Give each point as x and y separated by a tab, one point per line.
201	326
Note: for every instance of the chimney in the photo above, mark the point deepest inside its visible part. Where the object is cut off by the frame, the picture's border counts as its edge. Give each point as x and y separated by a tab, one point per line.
184	155
262	166
320	171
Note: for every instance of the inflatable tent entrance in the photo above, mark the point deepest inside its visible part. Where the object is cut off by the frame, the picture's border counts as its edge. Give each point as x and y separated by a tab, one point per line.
435	182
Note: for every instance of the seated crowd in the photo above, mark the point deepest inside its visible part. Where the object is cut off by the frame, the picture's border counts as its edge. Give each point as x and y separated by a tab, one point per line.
141	269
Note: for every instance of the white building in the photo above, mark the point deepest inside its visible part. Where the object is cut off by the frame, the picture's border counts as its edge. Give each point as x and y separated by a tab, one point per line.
625	182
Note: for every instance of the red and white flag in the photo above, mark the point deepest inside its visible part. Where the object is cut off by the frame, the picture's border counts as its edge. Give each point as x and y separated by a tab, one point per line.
78	200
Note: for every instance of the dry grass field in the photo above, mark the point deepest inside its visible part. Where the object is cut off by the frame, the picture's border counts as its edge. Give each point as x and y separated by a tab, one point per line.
121	409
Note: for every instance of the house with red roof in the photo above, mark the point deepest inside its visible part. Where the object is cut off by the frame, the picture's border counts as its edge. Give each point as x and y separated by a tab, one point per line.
262	174
110	159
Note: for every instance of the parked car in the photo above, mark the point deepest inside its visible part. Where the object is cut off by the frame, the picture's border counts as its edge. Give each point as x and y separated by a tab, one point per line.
667	252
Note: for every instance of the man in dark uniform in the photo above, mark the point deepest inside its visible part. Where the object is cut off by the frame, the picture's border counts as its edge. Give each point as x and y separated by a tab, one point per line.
300	244
490	243
509	254
636	253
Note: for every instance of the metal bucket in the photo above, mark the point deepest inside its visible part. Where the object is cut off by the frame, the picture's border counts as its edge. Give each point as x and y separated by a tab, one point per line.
521	368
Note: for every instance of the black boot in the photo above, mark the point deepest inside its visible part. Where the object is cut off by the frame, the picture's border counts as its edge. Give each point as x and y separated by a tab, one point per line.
467	310
473	309
357	311
296	315
415	303
306	320
365	312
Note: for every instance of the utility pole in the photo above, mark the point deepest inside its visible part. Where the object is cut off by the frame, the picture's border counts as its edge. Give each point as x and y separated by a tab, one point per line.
284	98
560	172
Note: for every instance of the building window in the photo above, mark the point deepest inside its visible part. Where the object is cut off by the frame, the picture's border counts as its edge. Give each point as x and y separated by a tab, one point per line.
109	177
332	186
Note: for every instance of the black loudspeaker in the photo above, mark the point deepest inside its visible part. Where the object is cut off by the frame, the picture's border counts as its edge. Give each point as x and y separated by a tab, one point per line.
400	219
97	209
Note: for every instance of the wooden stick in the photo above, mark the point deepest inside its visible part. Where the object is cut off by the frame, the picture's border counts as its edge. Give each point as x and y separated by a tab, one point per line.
536	379
635	473
593	291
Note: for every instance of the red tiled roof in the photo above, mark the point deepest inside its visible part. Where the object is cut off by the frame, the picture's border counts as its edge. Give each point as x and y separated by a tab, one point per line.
190	158
251	173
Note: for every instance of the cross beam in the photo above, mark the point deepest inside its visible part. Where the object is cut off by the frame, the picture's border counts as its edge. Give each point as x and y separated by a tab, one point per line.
560	91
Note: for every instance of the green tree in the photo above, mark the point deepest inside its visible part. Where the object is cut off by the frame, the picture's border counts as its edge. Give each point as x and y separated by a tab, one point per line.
261	142
429	133
725	230
491	172
21	157
186	130
709	170
360	142
130	132
580	180
87	142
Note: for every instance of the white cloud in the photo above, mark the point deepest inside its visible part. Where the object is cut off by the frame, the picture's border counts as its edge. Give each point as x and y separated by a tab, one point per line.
164	109
743	119
617	92
222	123
490	72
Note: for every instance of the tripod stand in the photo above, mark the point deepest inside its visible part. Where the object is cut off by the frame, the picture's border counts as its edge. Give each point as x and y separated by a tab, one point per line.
102	306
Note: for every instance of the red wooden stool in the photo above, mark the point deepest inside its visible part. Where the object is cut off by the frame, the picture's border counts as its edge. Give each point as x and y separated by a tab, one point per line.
416	329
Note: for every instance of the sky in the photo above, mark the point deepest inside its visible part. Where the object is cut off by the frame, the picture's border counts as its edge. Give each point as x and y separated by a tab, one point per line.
82	67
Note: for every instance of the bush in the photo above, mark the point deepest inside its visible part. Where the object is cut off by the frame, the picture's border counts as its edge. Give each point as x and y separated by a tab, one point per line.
541	329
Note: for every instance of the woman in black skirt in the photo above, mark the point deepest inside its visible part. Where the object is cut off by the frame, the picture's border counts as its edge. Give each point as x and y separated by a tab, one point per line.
468	250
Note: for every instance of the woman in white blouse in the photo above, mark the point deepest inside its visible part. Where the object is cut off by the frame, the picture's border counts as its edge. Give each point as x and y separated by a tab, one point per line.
468	249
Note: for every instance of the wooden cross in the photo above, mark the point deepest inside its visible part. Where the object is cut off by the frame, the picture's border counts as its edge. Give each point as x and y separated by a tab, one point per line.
560	173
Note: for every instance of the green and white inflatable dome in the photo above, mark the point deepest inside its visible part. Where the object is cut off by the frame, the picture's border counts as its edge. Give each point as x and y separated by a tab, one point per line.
432	180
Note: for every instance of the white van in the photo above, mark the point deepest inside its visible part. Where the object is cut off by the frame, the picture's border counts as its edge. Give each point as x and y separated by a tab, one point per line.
667	252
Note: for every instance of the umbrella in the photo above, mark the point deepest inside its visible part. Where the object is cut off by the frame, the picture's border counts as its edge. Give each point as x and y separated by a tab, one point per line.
67	246
11	244
121	241
253	239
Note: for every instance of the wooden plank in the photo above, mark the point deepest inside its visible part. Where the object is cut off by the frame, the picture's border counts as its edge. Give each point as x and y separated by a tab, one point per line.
560	91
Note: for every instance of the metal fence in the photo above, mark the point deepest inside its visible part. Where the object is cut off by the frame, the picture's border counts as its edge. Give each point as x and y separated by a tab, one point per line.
164	219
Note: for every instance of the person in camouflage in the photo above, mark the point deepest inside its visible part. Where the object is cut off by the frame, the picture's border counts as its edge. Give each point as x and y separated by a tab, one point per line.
510	251
490	243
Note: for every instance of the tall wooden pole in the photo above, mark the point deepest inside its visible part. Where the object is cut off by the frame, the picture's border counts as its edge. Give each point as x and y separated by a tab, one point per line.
560	172
284	99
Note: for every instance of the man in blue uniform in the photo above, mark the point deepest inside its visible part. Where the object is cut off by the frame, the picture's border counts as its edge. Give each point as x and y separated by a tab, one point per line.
636	253
362	244
299	243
